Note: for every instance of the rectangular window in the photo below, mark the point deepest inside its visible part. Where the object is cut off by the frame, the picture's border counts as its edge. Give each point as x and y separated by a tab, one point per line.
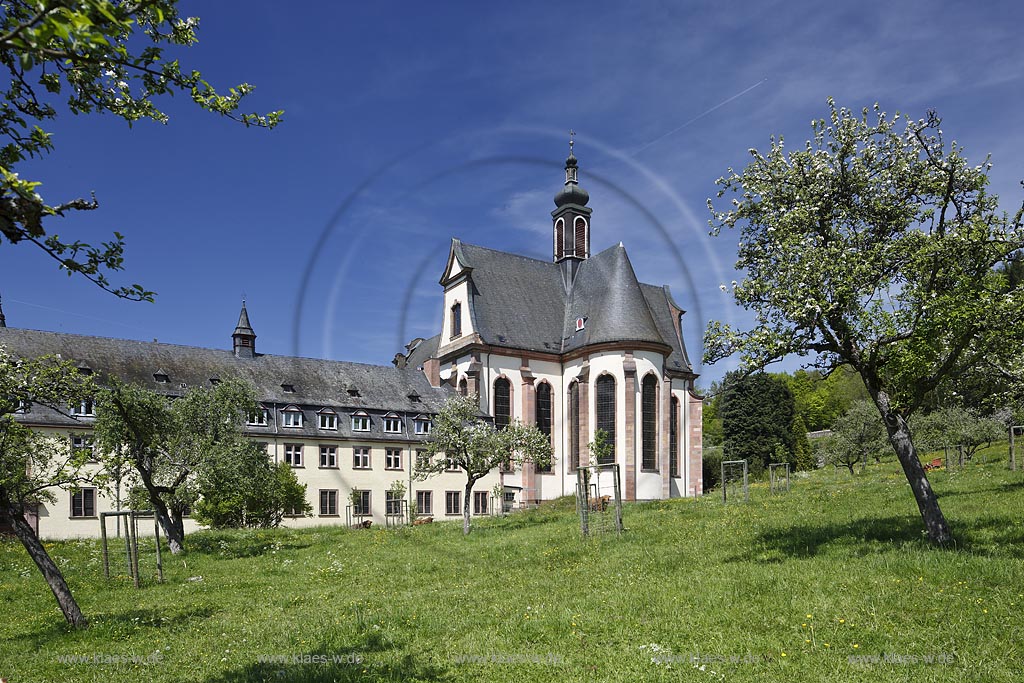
328	456
293	454
328	502
360	423
392	504
361	503
393	425
424	502
509	500
291	418
258	418
480	502
83	503
450	465
83	445
422	427
328	421
452	500
83	408
392	458
422	459
361	458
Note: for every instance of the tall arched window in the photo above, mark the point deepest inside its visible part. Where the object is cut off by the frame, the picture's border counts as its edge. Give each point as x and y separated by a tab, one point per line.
456	320
543	414
606	413
673	439
502	402
574	425
649	422
559	238
580	236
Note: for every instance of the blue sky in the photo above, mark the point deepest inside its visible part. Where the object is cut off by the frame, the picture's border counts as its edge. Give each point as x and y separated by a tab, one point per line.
409	123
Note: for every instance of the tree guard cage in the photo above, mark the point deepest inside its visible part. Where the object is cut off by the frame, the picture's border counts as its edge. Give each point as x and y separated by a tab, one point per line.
730	465
131	542
396	513
599	499
1015	431
778	474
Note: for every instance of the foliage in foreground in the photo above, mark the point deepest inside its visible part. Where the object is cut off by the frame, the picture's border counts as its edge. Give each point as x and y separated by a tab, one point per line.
881	249
89	56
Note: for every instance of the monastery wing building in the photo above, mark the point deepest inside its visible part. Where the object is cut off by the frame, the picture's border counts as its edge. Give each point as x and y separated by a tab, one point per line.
572	345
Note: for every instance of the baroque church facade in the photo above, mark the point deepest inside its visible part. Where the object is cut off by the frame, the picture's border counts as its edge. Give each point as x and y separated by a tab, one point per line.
572	345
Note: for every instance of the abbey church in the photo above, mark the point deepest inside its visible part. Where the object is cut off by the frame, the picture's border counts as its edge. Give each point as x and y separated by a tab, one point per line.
572	345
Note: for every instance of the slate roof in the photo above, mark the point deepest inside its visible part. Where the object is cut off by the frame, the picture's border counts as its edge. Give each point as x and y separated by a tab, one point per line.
317	383
423	351
528	304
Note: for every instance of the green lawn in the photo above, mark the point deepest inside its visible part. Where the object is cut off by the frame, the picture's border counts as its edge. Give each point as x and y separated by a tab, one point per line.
784	588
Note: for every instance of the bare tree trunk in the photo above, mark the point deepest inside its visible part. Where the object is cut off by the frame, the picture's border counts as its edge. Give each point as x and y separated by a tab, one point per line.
465	508
173	528
49	569
903	444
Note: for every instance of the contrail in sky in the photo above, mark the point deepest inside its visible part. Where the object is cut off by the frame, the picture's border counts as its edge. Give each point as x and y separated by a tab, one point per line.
698	117
79	315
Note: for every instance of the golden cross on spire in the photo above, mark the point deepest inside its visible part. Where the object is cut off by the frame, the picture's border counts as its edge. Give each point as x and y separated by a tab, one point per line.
572	134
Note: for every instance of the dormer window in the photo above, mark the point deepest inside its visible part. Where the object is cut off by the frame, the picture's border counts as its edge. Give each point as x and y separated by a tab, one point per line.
258	418
456	325
422	426
581	323
214	381
360	422
288	388
84	370
83	408
291	417
161	377
414	397
354	393
23	407
392	423
328	419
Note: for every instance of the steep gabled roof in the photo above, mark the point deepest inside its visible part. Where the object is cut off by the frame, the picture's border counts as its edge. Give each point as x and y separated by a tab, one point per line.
316	382
518	302
524	303
607	294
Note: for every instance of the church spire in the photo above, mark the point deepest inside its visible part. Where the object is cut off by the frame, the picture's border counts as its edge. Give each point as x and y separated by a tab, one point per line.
571	216
244	338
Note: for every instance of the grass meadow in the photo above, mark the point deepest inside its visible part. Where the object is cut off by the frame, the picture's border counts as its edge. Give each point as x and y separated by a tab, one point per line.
833	581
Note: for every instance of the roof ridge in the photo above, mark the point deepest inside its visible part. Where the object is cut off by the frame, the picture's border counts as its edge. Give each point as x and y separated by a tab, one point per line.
226	352
509	253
